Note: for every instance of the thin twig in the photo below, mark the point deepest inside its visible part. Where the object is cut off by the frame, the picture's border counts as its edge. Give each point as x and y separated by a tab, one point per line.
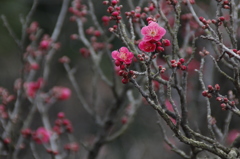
131	29
226	125
209	111
135	103
173	147
54	37
169	94
12	34
222	72
60	21
26	124
93	15
34	151
27	21
76	88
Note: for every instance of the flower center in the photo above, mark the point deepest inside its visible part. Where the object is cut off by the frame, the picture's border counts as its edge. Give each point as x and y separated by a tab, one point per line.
152	32
123	55
149	47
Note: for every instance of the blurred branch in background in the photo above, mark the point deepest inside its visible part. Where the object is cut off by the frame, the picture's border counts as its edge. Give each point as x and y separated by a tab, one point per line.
88	76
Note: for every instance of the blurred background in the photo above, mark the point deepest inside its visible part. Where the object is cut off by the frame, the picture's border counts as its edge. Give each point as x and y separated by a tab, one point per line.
143	139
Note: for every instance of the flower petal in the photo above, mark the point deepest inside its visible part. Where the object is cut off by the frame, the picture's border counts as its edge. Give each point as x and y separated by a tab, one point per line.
123	49
115	55
144	30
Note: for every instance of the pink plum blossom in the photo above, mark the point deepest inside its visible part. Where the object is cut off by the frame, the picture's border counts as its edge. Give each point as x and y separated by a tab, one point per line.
153	32
61	93
147	46
44	44
41	135
123	55
32	87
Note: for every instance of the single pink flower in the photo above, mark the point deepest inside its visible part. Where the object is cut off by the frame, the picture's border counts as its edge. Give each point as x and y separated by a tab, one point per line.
147	46
61	93
41	135
153	32
44	44
123	55
32	87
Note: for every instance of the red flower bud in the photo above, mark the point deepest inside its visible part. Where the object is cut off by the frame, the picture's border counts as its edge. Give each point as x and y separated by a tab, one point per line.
44	44
105	19
219	99
183	67
166	42
217	87
214	21
205	93
201	18
97	33
224	106
69	129
131	72
61	115
125	80
210	88
221	18
105	2
232	103
61	93
209	95
7	141
124	120
226	2
181	60
114	2
225	100
123	67
115	13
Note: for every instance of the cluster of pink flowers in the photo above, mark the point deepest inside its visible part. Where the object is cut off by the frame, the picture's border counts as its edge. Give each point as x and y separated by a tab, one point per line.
41	135
151	36
78	10
178	64
62	124
114	10
123	58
